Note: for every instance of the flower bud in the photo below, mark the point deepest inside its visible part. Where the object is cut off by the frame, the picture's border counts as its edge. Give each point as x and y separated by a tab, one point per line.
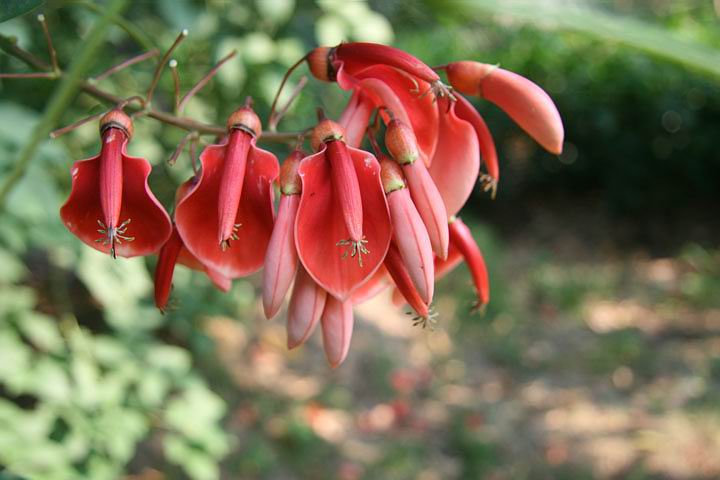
324	132
116	118
245	119
401	142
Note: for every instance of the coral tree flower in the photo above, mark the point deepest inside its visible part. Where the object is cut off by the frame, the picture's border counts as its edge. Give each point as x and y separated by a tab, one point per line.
343	226
174	252
226	221
111	207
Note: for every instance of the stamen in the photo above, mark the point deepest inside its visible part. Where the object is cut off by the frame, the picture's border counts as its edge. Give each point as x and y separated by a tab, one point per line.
354	248
440	90
488	184
225	244
425	322
113	235
478	307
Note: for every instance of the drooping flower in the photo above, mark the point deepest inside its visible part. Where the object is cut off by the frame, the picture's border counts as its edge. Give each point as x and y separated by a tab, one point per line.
174	252
281	258
111	207
343	226
462	240
226	221
524	101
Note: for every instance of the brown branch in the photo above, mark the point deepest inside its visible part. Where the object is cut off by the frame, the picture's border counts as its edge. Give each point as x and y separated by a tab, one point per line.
161	65
50	75
50	47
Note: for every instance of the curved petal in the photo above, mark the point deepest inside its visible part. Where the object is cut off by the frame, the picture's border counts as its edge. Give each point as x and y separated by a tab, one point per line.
197	219
281	257
456	163
307	303
167	258
320	224
220	281
337	327
149	222
375	284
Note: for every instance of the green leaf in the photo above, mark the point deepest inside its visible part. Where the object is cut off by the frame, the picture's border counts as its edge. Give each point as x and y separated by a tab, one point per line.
13	8
605	26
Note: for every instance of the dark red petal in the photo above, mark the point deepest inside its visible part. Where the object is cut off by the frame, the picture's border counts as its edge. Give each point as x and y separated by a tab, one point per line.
337	327
220	281
456	164
197	218
401	277
320	224
167	258
307	303
281	258
149	223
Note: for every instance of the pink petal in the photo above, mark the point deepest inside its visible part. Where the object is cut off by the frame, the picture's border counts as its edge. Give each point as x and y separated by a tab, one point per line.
488	153
337	327
430	205
307	303
355	118
281	257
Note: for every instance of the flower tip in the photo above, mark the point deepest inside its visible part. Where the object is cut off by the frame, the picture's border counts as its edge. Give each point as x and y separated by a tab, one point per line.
320	65
118	119
245	118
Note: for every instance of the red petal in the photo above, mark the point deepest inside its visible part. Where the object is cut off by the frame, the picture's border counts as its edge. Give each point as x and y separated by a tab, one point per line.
456	164
281	257
376	284
167	258
220	281
462	238
150	225
401	277
488	153
355	118
402	95
443	267
320	224
337	327
306	305
197	214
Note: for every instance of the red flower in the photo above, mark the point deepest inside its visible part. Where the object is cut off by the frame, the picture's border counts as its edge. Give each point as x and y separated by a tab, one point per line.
111	207
227	219
343	225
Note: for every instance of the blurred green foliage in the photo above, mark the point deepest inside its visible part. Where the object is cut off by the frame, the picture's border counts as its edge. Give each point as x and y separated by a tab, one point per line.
94	378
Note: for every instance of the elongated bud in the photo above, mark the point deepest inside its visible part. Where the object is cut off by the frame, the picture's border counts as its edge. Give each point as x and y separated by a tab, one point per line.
488	153
116	118
243	127
523	100
344	177
306	306
337	327
401	277
401	142
167	259
320	64
409	231
116	129
462	239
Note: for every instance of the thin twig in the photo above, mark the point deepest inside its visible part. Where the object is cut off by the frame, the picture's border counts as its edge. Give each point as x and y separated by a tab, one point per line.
193	154
282	83
161	65
11	48
181	146
277	116
51	75
203	81
125	64
73	126
173	64
50	47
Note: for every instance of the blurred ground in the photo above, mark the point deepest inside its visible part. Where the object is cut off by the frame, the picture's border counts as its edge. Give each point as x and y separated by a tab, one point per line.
594	361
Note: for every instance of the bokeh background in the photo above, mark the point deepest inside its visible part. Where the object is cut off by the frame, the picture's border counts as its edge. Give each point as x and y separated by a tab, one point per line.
599	354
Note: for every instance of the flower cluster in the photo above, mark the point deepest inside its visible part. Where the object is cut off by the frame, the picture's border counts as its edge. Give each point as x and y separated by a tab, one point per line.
350	222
